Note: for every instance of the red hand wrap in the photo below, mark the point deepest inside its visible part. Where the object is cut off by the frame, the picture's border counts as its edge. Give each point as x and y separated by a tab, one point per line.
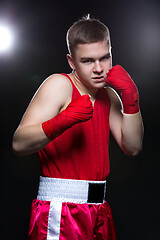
120	80
79	110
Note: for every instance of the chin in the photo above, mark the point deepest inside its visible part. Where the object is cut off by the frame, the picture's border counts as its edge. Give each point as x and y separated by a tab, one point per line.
99	85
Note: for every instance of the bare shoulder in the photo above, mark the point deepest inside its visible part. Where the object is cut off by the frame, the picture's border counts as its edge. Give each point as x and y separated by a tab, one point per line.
56	88
57	79
56	82
53	95
114	97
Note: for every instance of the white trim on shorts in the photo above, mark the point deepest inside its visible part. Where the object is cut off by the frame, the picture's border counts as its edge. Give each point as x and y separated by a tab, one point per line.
57	191
65	190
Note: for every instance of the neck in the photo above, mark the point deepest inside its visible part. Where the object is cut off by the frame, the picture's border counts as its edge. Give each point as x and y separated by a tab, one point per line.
82	88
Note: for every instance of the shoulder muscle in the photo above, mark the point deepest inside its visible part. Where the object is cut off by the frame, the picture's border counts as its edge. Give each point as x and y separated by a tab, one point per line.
53	94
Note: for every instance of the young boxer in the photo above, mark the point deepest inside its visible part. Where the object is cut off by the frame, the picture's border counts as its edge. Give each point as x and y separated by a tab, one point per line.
68	122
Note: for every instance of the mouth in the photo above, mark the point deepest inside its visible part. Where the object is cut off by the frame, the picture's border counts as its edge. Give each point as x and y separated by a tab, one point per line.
99	79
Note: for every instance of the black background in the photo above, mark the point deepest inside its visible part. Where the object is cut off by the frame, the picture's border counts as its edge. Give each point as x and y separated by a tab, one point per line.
39	50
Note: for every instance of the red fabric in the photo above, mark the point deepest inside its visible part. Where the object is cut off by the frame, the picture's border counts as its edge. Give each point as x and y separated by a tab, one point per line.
79	110
119	79
81	152
39	220
87	222
77	221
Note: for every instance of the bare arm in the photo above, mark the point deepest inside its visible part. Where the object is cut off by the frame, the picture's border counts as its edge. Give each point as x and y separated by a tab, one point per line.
52	97
127	129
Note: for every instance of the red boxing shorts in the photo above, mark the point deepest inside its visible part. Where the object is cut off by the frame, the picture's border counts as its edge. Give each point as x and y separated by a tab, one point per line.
71	210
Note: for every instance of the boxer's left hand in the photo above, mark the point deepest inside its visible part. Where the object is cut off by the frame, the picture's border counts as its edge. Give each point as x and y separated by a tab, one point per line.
120	80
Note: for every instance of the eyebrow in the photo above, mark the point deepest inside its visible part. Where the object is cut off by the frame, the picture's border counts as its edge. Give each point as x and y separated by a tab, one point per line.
88	58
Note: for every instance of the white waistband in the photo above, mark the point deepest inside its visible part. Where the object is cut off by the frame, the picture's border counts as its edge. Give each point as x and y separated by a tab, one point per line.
65	190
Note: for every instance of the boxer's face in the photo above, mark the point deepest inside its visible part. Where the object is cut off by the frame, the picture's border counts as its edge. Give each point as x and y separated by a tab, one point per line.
91	62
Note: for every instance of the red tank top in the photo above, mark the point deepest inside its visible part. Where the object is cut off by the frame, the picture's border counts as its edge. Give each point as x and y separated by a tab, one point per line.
81	152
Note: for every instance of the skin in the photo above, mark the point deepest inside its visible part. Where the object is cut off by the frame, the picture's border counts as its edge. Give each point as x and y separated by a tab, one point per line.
90	64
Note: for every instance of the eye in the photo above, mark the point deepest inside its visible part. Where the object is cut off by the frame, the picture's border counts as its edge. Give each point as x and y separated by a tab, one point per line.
87	61
105	58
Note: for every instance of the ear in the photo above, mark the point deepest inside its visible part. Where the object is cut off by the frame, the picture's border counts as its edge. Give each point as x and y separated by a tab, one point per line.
70	61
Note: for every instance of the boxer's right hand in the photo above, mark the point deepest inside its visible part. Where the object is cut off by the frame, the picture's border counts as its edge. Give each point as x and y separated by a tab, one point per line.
78	110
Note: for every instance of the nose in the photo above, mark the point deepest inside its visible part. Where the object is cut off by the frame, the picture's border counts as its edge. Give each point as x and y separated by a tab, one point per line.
98	68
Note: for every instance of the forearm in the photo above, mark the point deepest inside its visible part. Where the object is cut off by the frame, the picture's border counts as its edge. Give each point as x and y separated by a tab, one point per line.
128	127
132	133
29	139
